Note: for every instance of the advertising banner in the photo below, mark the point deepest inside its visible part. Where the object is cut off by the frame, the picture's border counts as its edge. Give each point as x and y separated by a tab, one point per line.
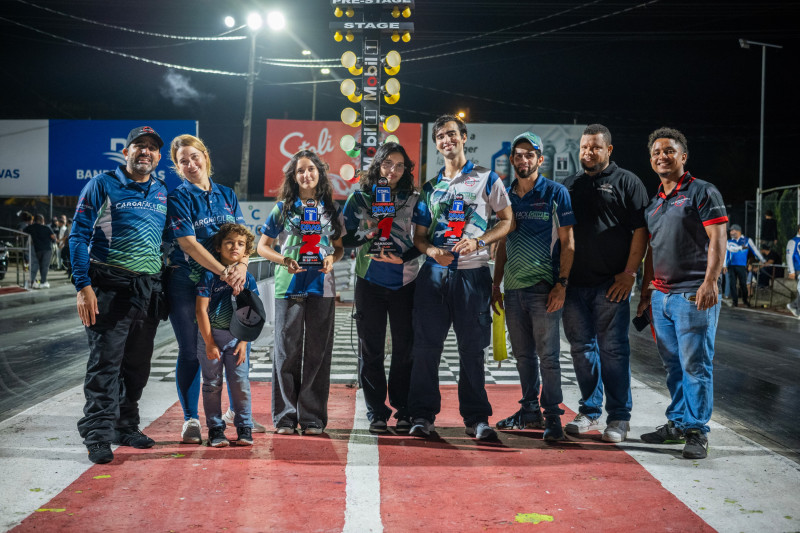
23	157
286	137
79	149
489	145
255	215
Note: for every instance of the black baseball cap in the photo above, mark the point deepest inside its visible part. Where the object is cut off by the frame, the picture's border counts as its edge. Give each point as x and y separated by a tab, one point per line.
248	316
141	131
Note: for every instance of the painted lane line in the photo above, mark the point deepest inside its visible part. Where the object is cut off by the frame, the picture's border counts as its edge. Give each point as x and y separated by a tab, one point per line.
363	502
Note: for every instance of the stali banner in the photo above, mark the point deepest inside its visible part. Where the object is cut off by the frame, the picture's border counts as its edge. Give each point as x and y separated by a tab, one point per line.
287	137
489	146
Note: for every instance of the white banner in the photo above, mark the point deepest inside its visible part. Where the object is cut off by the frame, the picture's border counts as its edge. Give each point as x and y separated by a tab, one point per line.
24	149
255	214
489	145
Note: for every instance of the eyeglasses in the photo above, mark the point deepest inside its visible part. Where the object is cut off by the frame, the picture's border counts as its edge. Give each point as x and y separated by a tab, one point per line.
389	167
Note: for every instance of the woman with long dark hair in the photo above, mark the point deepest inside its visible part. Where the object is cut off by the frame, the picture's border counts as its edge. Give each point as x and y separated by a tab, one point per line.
307	225
386	267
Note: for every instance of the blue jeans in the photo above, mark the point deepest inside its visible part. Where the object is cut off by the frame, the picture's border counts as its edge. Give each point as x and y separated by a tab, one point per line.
237	377
182	294
685	338
535	338
461	298
597	330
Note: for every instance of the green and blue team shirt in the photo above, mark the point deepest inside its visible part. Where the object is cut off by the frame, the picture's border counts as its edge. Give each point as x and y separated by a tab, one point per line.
286	231
219	294
357	214
191	211
118	222
533	248
483	193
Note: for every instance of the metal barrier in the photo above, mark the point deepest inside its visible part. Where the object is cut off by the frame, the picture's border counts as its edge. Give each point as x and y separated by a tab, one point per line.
18	247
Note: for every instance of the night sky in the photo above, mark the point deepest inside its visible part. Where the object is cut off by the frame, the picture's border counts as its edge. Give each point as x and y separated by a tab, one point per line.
633	66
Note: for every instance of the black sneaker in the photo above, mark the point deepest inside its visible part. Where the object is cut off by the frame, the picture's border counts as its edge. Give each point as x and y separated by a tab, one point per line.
132	437
216	438
403	425
421	428
522	420
245	436
553	432
696	444
100	453
666	434
378	426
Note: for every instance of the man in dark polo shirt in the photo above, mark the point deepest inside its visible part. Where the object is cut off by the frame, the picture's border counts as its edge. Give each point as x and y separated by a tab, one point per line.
686	220
610	240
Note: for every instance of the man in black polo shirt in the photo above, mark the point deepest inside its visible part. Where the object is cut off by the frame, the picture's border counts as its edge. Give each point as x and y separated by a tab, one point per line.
686	220
610	240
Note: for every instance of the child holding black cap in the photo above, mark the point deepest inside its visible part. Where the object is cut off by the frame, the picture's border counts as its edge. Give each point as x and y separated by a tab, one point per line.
216	345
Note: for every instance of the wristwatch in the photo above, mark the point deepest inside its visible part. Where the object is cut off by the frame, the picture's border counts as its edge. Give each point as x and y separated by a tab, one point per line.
563	282
481	243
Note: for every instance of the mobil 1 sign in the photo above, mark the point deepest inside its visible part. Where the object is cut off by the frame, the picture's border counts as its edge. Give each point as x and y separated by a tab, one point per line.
80	149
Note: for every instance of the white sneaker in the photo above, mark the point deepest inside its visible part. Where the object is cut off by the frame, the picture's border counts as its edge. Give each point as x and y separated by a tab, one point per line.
36	285
616	431
228	419
582	423
45	285
191	434
312	430
789	306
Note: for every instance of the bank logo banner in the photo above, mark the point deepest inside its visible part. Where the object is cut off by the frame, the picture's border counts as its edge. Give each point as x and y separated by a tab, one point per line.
80	149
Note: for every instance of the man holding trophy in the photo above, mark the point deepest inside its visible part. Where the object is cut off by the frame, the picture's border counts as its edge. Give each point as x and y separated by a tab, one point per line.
454	285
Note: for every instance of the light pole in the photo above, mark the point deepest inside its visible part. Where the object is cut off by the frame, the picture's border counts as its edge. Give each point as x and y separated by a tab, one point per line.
275	21
744	43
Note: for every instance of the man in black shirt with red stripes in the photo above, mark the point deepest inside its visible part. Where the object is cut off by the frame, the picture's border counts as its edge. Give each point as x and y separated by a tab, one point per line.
686	220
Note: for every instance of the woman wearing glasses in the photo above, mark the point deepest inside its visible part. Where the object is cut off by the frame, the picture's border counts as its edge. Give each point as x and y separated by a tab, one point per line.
378	219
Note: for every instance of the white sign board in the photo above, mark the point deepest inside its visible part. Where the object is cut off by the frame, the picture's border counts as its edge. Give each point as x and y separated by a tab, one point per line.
488	145
22	173
255	215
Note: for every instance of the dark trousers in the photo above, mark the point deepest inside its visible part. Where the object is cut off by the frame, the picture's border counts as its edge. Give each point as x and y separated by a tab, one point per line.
442	298
738	273
373	304
120	349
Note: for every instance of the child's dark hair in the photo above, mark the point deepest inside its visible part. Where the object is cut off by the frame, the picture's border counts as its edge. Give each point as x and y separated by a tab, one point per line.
238	229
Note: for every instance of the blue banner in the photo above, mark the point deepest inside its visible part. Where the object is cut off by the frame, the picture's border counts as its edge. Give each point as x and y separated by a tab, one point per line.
80	149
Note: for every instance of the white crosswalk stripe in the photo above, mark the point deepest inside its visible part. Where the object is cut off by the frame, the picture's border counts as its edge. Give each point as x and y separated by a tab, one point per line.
344	366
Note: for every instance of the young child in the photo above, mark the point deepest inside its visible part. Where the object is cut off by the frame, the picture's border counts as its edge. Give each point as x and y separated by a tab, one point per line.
217	347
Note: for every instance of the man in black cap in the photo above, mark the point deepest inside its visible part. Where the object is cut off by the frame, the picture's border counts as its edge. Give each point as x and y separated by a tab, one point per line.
115	245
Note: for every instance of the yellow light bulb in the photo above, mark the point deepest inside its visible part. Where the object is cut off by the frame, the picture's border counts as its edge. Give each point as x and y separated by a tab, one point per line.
338	12
349	37
338	37
406	37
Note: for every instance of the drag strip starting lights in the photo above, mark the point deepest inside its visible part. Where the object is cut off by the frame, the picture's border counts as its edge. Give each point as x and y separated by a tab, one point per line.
370	21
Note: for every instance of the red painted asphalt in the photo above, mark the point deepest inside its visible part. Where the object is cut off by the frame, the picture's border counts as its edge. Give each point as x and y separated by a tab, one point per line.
297	483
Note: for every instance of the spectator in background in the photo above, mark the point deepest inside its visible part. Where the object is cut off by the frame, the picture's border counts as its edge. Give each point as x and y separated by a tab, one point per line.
769	230
42	239
739	247
768	272
793	262
25	220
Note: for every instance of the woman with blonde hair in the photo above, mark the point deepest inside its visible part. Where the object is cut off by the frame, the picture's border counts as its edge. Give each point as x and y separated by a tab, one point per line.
196	209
